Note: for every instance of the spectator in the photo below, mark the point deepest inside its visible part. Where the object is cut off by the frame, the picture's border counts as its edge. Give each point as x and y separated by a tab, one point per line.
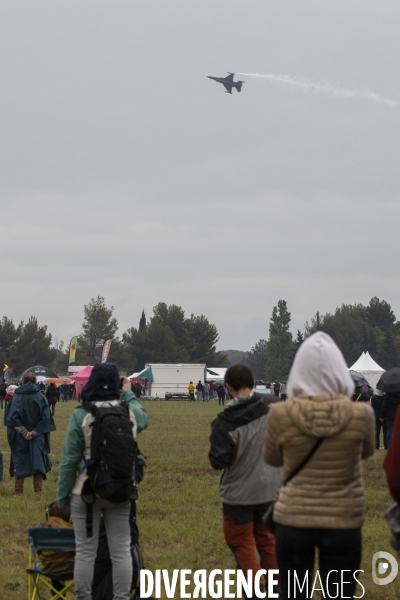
360	395
191	389
221	394
376	403
3	392
212	390
199	391
277	387
283	391
323	505
390	404
51	395
206	392
42	387
64	390
392	461
137	389
102	387
247	485
29	425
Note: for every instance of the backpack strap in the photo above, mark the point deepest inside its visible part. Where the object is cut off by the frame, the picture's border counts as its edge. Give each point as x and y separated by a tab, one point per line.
304	461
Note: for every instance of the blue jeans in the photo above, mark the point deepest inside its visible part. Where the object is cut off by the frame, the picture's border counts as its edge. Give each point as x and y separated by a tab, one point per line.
206	397
389	430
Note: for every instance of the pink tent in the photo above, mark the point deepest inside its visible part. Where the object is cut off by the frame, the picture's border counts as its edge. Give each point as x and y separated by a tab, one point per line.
81	380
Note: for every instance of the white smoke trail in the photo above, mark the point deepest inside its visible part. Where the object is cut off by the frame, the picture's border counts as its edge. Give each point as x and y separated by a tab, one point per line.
324	88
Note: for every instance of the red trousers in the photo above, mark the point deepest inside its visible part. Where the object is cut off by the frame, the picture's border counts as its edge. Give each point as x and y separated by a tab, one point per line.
244	532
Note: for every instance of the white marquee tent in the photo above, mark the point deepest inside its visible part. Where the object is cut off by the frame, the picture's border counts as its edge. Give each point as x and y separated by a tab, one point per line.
369	368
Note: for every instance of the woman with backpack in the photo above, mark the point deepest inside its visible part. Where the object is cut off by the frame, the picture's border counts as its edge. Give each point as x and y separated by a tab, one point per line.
319	436
80	472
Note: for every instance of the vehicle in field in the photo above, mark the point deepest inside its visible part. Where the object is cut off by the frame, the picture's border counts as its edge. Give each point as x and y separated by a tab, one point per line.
171	380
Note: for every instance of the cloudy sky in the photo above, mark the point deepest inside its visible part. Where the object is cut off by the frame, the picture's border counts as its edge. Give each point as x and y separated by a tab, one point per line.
126	173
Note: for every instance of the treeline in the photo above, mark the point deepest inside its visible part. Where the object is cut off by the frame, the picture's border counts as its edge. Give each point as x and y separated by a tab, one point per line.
354	327
169	336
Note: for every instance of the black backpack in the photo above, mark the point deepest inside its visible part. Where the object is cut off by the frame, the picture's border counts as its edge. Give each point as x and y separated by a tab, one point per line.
112	468
113	453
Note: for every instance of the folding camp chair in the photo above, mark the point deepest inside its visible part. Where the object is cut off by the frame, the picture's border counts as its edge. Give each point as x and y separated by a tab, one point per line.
42	584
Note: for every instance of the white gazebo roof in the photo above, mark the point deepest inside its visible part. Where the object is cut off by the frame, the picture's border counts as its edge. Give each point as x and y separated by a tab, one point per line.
366	363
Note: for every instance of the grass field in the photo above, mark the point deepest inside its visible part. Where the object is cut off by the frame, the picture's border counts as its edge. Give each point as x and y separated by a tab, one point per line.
179	512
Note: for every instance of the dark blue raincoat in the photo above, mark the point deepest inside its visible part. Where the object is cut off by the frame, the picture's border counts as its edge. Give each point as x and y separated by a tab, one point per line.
29	408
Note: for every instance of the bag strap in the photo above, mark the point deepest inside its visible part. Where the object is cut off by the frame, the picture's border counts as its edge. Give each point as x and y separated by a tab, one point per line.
303	462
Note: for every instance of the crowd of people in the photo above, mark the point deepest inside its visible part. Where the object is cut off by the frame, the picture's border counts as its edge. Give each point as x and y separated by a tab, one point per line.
292	481
204	392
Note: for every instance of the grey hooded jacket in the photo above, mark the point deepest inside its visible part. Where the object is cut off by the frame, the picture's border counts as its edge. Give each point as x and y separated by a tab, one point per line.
236	447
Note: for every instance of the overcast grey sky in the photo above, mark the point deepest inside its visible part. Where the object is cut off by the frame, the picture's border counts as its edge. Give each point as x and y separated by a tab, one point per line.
126	173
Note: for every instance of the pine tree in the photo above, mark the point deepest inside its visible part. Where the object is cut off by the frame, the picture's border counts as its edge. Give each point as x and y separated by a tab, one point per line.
142	322
280	343
99	325
257	359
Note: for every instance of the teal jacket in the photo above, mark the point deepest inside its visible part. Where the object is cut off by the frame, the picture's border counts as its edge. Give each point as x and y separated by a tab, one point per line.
74	445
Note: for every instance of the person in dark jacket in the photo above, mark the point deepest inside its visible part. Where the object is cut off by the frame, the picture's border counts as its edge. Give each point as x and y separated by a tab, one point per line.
221	393
376	403
29	425
392	462
388	413
199	391
277	387
52	397
3	392
247	484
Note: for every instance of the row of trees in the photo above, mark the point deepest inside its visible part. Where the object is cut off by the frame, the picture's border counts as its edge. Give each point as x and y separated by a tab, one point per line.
168	337
355	328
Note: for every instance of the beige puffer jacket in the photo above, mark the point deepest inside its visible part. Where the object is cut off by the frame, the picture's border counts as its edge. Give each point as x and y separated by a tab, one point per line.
328	493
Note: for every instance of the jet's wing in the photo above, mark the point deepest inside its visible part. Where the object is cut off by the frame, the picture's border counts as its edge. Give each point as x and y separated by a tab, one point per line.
228	88
230	77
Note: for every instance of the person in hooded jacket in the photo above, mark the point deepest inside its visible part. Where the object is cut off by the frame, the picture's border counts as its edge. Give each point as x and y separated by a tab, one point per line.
323	505
247	484
29	424
102	389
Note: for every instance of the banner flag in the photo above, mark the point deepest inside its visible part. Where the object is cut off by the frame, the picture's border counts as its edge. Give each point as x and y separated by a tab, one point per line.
106	350
72	349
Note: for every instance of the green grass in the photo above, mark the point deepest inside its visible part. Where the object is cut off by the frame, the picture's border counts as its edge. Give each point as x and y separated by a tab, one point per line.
179	511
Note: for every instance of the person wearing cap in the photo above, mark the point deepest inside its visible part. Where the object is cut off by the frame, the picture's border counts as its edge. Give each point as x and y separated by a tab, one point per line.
102	389
29	424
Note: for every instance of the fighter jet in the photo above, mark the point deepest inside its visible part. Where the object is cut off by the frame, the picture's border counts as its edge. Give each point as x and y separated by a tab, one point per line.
228	82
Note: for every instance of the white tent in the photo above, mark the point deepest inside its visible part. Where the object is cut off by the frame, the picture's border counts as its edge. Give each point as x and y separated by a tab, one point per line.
369	368
214	373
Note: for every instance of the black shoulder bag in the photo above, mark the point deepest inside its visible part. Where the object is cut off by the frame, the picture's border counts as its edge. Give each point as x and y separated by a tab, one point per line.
268	518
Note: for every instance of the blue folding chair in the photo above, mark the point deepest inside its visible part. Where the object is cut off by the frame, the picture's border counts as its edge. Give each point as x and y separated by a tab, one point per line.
42	583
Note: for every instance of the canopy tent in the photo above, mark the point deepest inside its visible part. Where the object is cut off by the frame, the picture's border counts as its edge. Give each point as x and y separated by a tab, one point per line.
215	373
39	371
145	374
59	381
81	380
369	368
